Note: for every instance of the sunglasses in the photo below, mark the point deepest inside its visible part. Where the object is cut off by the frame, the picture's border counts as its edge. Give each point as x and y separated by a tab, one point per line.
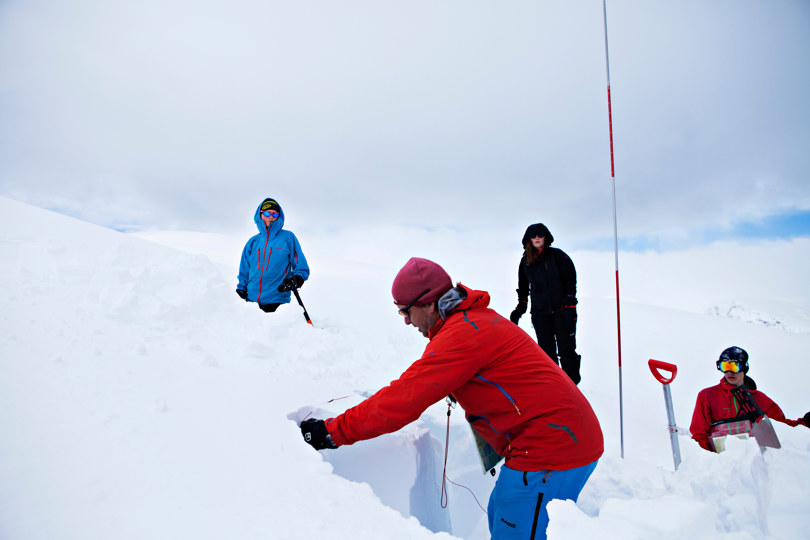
404	311
268	213
730	365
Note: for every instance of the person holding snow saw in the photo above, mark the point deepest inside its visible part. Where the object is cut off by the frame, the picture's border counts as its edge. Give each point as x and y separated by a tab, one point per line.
548	276
512	393
733	405
272	262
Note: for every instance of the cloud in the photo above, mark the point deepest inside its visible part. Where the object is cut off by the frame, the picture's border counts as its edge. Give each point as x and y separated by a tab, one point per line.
456	114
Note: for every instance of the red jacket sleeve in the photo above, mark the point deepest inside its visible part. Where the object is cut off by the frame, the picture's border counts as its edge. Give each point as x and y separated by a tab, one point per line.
429	380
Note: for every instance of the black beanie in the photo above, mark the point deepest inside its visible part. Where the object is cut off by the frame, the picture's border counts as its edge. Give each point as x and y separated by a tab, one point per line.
270	204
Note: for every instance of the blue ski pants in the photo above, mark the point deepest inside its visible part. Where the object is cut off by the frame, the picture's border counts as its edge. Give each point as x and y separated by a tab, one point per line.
517	505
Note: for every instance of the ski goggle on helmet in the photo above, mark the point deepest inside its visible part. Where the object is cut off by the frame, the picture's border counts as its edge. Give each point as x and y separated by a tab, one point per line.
733	359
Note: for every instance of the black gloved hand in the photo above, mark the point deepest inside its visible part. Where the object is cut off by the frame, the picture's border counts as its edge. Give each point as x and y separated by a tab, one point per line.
806	419
570	302
242	294
290	283
316	434
519	311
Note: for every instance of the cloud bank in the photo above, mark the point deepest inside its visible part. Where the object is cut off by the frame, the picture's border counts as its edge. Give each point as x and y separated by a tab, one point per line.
467	115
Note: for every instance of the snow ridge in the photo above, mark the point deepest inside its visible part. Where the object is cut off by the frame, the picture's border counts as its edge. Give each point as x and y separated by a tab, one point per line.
790	319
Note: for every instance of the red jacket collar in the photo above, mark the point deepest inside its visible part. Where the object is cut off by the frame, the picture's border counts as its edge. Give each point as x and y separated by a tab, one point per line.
728	387
475	299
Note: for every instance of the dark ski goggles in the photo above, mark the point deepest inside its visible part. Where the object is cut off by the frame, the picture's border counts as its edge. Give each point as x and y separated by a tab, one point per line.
268	213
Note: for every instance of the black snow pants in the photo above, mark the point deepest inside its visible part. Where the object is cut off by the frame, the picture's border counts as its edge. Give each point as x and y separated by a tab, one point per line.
557	336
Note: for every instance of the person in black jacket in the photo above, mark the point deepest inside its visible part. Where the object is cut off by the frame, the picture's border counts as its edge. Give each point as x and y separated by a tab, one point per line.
548	275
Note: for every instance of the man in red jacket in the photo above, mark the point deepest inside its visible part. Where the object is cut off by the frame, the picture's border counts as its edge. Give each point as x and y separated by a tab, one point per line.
512	393
727	400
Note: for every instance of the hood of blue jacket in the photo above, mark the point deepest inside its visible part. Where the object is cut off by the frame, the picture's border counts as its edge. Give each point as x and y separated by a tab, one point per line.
275	227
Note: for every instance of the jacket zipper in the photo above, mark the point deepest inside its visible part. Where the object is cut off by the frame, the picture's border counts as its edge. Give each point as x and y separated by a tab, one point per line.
498	386
261	266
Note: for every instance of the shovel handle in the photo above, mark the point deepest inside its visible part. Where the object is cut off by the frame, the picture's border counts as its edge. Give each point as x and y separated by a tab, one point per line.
656	365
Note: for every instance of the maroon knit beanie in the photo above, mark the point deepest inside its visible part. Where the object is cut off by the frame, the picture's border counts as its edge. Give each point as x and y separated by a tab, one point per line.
417	276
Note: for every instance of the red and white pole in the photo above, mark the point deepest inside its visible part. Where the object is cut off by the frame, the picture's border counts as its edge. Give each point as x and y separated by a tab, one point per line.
615	231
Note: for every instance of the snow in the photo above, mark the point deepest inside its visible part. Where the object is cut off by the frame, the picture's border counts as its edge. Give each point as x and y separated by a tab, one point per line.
140	398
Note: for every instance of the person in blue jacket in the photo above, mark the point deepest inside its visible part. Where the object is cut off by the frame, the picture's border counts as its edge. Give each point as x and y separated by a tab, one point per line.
272	262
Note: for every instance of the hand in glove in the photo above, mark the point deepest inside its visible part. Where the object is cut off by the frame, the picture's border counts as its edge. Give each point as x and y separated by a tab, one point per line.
316	434
806	419
570	302
290	283
242	294
519	311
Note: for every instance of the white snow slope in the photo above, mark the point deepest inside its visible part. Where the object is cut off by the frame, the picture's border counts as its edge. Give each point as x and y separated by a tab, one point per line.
140	398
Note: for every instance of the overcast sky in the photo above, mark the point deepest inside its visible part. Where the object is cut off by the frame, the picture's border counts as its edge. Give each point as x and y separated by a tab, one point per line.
469	114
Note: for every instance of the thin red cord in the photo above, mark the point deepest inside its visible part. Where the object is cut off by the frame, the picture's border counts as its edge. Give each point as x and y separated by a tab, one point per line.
445	479
443	498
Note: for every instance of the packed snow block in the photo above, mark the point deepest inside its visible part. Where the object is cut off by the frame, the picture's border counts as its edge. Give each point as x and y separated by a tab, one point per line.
404	468
426	488
409	457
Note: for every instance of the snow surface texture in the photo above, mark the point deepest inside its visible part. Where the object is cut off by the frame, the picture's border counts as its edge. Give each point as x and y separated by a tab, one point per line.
140	398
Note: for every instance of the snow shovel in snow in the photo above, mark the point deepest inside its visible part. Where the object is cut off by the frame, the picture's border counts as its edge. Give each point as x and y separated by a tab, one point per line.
655	366
764	433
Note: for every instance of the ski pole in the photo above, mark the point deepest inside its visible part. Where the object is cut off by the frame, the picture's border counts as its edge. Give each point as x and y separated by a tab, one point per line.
655	365
298	297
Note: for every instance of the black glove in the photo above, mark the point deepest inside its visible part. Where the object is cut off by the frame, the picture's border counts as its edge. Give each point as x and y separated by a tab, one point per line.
570	302
242	294
806	419
519	311
316	434
290	283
